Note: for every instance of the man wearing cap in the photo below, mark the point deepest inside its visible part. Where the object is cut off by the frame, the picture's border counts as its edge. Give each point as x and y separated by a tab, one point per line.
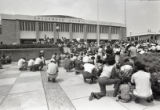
52	70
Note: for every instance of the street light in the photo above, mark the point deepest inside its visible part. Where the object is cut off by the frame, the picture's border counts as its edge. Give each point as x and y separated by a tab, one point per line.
98	36
57	30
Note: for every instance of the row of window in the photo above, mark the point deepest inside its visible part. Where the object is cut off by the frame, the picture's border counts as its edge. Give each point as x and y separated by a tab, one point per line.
64	27
27	25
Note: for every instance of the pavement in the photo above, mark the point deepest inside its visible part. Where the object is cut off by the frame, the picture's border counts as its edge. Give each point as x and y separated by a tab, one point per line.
25	90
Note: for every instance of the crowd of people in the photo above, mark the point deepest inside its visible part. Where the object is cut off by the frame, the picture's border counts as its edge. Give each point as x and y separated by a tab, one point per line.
112	63
115	63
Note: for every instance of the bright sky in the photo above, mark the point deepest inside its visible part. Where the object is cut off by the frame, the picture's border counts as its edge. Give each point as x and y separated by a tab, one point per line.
141	14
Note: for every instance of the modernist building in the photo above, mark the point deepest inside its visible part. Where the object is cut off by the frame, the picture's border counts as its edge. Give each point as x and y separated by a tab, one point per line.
149	37
24	28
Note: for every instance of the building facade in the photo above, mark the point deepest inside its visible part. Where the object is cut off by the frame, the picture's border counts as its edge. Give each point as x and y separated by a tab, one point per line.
149	37
25	29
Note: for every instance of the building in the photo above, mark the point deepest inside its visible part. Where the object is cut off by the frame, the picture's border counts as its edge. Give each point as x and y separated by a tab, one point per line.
149	37
27	29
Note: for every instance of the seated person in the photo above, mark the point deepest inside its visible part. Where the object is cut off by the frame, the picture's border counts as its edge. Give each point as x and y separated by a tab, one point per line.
1	64
142	81
38	64
68	63
31	64
22	64
78	65
52	70
88	72
8	59
156	85
124	92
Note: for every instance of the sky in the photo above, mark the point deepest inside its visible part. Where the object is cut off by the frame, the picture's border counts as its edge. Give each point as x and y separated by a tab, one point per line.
141	15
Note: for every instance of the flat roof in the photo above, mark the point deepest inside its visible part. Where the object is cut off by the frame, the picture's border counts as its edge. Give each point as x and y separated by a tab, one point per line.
144	34
58	18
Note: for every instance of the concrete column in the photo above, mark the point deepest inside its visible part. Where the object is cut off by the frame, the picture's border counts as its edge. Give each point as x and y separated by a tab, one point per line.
85	32
37	31
70	31
109	34
55	32
17	29
121	34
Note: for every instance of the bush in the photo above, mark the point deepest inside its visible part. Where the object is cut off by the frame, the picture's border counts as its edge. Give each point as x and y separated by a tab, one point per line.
150	60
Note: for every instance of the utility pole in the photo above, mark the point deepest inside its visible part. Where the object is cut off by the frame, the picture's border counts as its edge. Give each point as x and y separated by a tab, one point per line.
125	17
98	35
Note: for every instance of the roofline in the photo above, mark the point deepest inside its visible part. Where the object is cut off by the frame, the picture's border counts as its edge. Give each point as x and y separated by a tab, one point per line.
55	19
143	34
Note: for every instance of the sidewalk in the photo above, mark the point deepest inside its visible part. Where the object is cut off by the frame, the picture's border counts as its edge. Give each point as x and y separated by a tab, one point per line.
31	91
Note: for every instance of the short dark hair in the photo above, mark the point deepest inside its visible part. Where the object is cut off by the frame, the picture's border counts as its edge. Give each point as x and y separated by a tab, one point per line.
110	60
139	65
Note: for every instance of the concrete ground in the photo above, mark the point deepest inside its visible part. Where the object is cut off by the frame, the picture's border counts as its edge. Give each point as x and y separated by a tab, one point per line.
25	90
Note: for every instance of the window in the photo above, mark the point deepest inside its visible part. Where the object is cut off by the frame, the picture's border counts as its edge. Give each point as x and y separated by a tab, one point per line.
27	26
91	28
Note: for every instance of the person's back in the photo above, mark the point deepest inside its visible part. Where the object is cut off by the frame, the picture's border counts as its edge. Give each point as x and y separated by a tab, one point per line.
88	67
106	71
38	60
133	51
30	62
20	62
124	93
142	84
52	68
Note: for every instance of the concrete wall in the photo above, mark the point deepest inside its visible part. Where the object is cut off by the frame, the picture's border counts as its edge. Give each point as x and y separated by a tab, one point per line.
9	34
115	36
104	36
27	35
28	53
78	35
64	34
91	36
49	34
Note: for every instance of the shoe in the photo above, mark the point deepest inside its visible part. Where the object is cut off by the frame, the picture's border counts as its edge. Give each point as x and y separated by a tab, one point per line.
150	100
137	100
53	80
91	97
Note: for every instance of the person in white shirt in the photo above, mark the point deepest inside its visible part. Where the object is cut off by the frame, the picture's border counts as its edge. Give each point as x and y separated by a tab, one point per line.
85	58
31	64
117	51
22	64
158	48
38	64
106	79
142	81
52	70
89	72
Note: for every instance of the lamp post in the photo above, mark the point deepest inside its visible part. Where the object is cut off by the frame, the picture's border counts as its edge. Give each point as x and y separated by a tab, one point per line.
98	36
57	30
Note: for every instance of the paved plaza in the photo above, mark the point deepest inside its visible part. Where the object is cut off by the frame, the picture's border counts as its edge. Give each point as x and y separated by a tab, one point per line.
25	90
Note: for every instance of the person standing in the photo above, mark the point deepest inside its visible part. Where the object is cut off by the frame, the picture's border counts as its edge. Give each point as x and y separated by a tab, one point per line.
132	51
